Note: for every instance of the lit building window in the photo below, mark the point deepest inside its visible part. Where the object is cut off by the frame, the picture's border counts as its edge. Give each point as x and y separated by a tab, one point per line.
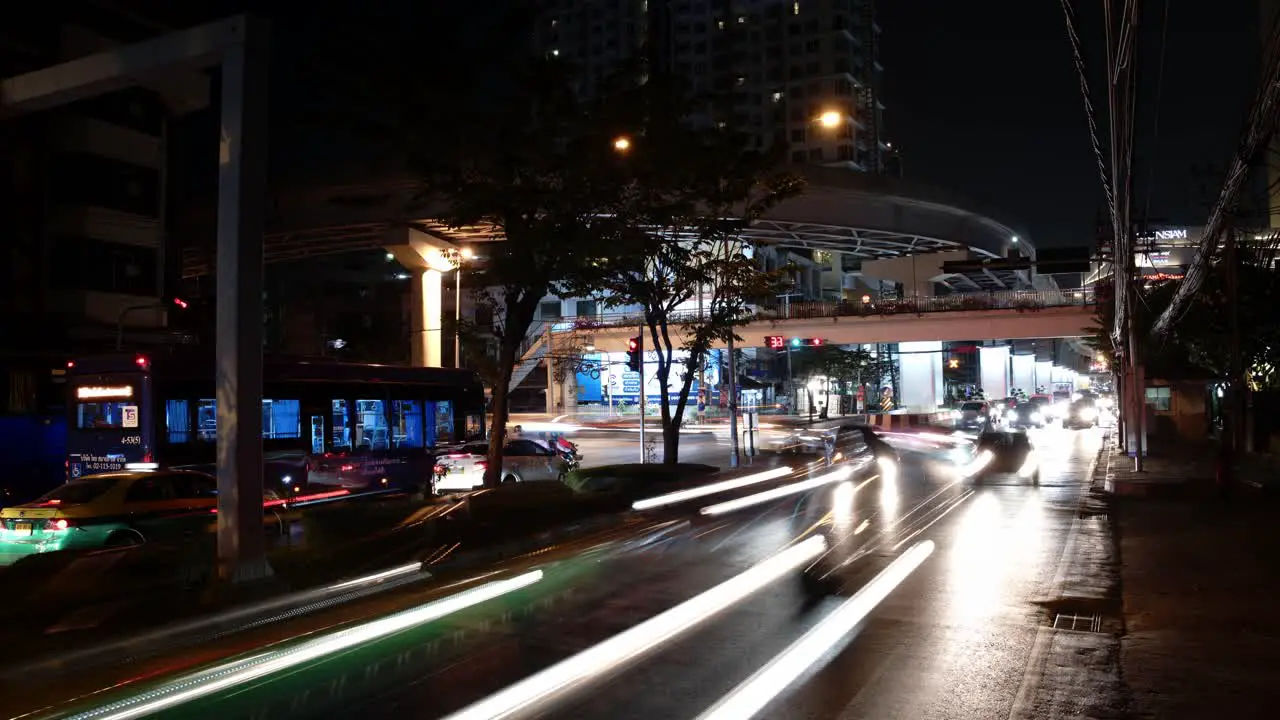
777	97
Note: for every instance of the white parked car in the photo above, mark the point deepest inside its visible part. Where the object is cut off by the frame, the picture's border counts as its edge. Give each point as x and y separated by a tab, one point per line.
523	460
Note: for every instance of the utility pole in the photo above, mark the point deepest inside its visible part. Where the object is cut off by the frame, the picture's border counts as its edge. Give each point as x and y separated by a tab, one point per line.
791	383
732	384
1120	71
732	387
551	372
704	394
644	448
1235	401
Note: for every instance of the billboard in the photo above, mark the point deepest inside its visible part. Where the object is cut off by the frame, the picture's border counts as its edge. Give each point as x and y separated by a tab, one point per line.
604	377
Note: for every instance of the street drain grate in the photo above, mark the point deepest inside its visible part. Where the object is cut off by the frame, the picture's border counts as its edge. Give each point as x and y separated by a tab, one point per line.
1091	622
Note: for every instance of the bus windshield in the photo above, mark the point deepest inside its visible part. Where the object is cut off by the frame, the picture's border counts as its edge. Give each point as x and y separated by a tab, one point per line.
102	414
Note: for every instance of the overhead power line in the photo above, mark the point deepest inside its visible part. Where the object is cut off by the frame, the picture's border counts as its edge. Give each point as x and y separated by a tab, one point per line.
1090	115
1259	129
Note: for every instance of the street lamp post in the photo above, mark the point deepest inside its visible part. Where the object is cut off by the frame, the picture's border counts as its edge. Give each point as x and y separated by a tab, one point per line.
457	258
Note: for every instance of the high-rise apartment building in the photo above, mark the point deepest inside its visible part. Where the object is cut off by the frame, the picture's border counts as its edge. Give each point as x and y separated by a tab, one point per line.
801	73
83	195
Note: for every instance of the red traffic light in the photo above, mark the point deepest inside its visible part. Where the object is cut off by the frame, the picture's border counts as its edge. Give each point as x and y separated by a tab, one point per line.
180	303
774	342
633	344
813	342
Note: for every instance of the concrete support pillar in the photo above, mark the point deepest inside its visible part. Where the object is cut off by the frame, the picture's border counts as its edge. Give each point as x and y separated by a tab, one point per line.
425	318
993	362
921	374
432	320
242	189
1044	375
1023	373
427	259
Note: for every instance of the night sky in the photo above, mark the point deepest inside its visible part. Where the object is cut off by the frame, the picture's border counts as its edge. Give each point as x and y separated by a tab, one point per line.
984	100
983	97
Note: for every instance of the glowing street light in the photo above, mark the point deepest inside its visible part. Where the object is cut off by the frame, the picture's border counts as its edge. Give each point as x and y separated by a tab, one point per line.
622	143
830	119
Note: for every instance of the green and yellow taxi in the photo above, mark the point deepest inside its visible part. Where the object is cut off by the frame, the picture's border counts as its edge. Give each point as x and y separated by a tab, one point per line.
111	509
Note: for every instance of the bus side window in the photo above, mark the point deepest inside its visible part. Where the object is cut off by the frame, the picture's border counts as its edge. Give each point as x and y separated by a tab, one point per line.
177	421
207	420
371	425
281	419
406	424
444	422
341	426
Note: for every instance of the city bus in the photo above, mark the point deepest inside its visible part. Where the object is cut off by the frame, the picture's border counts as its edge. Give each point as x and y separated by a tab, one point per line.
324	423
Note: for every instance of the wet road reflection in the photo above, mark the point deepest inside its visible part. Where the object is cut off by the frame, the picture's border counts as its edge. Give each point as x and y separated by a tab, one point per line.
951	642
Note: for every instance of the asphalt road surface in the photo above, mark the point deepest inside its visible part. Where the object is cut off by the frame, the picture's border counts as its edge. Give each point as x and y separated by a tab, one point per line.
952	641
615	447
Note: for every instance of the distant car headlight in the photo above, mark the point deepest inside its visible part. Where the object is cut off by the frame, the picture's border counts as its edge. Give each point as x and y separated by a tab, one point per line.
1088	414
1036	417
286	479
1011	415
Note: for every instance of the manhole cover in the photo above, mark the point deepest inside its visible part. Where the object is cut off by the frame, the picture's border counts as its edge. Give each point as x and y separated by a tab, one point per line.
1089	622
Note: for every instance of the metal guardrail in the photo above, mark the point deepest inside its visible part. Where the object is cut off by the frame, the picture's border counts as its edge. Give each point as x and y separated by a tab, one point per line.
1022	300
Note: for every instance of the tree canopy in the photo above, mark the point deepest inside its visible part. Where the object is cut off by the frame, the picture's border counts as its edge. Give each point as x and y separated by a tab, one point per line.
1200	342
692	188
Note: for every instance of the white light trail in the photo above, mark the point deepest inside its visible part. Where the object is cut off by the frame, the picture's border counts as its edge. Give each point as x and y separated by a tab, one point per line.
378	576
207	682
724	486
753	695
531	695
789	489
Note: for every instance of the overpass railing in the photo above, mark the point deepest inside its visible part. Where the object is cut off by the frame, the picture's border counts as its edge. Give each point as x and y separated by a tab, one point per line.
1021	300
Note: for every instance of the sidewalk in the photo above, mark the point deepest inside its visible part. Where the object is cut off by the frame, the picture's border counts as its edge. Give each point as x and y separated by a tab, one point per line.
1199	579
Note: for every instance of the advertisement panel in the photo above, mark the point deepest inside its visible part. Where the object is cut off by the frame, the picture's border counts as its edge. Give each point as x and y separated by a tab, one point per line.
604	376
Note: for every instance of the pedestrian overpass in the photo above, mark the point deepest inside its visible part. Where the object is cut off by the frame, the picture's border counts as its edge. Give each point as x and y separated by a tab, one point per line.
1032	315
917	328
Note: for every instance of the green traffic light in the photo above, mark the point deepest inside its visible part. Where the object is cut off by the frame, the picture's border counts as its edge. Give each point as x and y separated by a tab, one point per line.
795	342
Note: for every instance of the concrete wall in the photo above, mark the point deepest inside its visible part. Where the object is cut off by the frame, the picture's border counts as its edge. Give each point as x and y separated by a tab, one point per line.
916	273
